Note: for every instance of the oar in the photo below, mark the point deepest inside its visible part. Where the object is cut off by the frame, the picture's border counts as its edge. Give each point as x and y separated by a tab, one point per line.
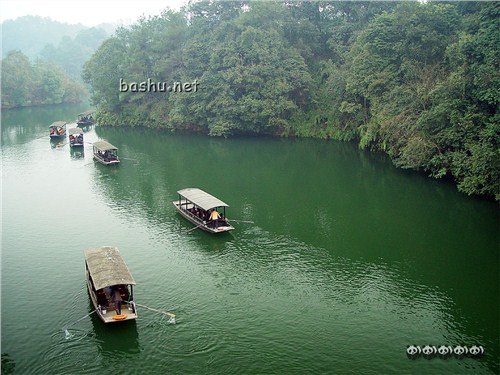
241	221
155	310
72	324
199	225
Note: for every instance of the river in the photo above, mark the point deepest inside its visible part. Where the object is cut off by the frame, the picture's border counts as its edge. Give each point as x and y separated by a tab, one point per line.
347	262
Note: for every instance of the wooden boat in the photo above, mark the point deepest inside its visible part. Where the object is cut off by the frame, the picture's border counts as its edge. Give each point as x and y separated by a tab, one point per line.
105	153
57	129
107	278
75	137
86	118
203	210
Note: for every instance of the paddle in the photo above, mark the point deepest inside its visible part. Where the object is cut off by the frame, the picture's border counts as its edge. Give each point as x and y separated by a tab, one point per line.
172	316
72	324
241	221
199	225
155	310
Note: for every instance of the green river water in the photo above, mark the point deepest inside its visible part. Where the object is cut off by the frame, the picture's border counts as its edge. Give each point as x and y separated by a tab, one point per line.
349	259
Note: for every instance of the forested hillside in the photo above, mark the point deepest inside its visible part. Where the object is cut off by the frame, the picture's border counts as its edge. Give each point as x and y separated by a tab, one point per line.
26	84
71	53
417	81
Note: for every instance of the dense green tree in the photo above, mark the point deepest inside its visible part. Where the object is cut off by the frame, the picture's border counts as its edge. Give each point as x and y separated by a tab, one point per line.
103	72
25	84
17	80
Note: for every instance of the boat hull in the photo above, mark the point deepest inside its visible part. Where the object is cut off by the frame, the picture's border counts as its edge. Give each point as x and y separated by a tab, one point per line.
57	136
199	223
85	123
106	162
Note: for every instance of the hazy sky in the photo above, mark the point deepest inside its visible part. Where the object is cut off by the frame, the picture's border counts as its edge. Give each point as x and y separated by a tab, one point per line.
87	12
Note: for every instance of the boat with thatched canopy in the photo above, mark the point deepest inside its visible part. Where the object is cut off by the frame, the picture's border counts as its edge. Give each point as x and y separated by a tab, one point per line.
75	137
86	118
105	153
202	209
110	284
57	129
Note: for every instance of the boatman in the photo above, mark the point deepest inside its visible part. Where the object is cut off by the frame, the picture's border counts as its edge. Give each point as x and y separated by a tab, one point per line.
118	301
215	216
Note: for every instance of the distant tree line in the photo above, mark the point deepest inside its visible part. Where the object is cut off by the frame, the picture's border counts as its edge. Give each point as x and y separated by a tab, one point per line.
30	34
71	53
66	45
418	81
26	84
58	50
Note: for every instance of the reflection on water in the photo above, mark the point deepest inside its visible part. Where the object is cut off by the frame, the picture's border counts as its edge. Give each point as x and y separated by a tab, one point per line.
86	128
58	142
116	340
8	365
21	125
347	261
77	152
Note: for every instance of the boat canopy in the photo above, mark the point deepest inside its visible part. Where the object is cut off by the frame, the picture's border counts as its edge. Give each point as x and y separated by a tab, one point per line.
86	113
75	131
58	124
201	198
104	146
107	267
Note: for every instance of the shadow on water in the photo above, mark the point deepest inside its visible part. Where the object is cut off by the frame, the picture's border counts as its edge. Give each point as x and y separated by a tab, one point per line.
77	153
116	339
57	143
117	344
8	364
86	128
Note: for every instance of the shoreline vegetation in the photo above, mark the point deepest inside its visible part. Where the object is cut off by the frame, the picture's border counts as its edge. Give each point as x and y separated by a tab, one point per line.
418	81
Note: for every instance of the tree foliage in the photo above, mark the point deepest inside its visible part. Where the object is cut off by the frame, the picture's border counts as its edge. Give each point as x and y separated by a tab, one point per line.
25	84
418	81
71	53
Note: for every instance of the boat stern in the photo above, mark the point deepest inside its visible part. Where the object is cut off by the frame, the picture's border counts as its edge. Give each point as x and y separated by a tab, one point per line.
128	312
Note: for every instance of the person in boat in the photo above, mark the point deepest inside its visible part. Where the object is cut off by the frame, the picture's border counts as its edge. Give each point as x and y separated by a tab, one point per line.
117	298
214	217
